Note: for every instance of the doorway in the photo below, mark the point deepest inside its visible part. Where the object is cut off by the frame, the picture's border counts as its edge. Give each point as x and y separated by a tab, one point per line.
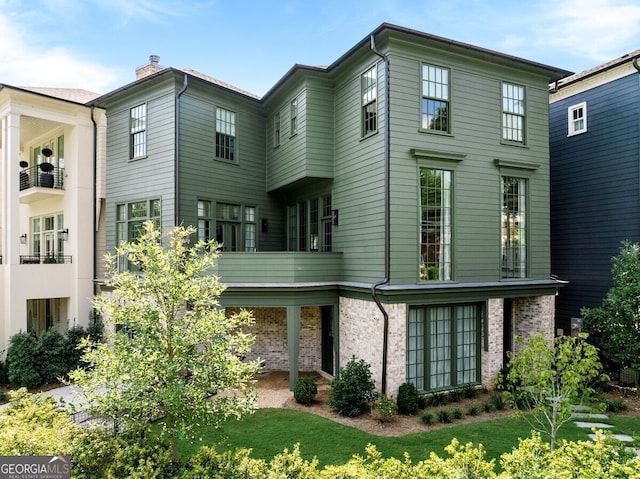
326	314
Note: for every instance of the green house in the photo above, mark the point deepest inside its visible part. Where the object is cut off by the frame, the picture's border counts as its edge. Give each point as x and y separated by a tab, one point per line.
393	206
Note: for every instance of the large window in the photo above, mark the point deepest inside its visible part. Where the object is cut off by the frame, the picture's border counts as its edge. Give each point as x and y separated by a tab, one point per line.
138	127
228	226
130	219
514	227
435	224
369	92
47	238
225	134
513	113
577	119
250	228
309	225
435	98
443	344
276	129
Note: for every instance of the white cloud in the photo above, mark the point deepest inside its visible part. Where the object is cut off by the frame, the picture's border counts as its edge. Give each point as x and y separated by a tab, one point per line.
595	29
28	61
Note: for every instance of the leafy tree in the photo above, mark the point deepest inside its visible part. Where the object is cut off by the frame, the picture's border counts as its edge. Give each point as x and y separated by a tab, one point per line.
552	377
169	351
614	327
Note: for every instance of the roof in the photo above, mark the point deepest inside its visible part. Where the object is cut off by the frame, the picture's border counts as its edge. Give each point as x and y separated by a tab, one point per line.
627	57
76	95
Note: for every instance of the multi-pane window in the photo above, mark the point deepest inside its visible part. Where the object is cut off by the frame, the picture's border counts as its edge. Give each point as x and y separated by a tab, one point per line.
138	128
443	346
225	134
369	87
577	119
204	220
309	225
228	226
514	228
513	112
294	116
276	129
130	219
249	228
435	98
46	236
435	224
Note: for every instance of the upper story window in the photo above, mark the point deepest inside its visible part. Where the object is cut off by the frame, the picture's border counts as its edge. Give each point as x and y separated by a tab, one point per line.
204	220
228	226
225	134
294	116
130	219
47	240
276	129
435	224
369	91
513	113
435	98
250	228
309	225
514	227
577	119
138	128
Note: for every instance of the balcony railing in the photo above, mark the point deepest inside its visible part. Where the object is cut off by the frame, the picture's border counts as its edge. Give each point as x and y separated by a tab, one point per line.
45	259
32	177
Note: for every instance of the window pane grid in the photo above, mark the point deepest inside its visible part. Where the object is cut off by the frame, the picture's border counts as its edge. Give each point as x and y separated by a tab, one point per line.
138	131
466	359
440	348
514	230
225	134
435	98
369	101
513	112
435	224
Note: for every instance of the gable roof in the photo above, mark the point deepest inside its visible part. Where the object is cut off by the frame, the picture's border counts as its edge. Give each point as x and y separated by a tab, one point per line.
627	57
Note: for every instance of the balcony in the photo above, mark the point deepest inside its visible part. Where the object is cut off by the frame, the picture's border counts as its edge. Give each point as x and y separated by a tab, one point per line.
46	259
279	267
39	182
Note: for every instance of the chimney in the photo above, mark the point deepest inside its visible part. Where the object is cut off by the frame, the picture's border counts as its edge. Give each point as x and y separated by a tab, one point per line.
152	67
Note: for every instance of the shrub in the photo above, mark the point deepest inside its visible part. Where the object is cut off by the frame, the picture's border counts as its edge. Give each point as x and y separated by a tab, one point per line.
488	407
385	409
455	395
469	391
615	405
457	414
353	389
235	464
305	391
444	416
473	410
427	418
51	360
4	379
22	361
437	399
498	402
408	399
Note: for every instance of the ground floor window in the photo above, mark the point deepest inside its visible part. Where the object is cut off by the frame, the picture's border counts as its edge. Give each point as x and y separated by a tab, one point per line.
43	314
130	219
443	346
47	239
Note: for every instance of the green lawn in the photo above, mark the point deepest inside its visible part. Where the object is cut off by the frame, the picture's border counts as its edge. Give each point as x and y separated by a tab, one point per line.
269	431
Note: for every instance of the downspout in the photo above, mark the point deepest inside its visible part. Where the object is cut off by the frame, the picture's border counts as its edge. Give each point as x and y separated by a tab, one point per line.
387	208
176	218
94	217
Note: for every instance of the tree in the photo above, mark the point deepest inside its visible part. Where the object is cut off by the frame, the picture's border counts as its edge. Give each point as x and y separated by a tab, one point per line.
169	351
614	327
550	378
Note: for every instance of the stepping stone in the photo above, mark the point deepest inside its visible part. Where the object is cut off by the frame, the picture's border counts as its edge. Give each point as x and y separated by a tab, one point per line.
578	407
591	425
582	415
619	437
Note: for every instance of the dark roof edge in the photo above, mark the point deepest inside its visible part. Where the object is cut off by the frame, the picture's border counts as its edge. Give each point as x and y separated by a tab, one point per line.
556	72
591	72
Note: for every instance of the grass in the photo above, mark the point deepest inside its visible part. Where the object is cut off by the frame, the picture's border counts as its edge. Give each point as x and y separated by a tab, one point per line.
269	431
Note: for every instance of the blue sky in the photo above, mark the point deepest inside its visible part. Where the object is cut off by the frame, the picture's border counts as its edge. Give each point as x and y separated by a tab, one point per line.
97	44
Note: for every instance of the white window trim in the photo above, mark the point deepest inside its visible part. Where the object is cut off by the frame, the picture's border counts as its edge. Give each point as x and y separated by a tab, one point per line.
571	130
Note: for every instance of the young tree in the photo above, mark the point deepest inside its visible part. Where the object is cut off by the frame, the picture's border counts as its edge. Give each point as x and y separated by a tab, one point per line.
169	351
614	327
550	378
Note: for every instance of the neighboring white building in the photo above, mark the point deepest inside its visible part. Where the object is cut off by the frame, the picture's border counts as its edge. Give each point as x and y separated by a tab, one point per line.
47	232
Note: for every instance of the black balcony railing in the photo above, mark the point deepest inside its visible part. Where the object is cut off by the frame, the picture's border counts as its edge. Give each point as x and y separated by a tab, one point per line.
45	259
33	176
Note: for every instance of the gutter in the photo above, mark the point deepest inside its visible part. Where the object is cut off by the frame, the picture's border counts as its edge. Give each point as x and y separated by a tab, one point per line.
387	208
95	198
176	219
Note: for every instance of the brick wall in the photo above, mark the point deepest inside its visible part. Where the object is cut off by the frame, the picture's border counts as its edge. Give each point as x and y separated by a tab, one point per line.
533	315
491	360
270	330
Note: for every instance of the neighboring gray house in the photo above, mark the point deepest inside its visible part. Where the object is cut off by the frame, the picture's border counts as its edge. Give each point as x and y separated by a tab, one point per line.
595	198
393	206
